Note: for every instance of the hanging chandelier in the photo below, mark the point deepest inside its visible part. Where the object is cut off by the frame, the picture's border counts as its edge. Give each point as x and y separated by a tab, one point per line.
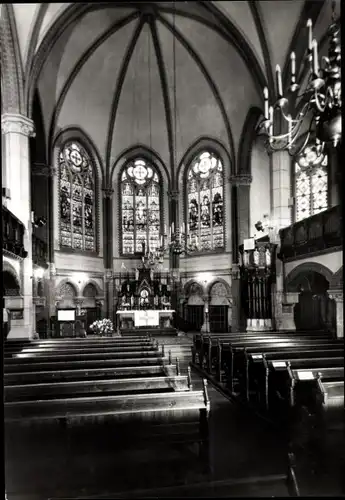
320	103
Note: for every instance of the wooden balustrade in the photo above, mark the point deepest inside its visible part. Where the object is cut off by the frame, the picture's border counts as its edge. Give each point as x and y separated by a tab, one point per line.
318	232
13	234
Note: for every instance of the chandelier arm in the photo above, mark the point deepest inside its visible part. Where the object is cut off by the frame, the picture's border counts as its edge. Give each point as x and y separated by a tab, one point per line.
319	106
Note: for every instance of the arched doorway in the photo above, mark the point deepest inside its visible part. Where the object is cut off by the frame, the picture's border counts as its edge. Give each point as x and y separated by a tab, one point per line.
314	310
92	311
194	308
218	311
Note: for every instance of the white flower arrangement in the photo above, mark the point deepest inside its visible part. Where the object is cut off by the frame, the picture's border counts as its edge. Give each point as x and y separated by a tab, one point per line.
102	327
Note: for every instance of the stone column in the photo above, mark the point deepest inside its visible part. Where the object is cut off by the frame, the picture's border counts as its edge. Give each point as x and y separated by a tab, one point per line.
206	324
236	325
338	297
109	293
16	130
78	303
281	217
242	183
108	227
174	258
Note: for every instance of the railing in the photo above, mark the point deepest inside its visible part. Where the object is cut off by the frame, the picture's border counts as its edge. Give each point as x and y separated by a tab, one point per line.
39	251
13	234
319	232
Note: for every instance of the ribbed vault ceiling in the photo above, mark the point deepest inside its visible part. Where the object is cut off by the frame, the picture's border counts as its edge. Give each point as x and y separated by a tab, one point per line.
110	70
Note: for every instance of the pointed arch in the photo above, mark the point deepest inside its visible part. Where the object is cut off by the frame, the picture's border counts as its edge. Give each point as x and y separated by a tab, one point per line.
204	194
99	291
78	211
11	71
151	157
69	283
218	280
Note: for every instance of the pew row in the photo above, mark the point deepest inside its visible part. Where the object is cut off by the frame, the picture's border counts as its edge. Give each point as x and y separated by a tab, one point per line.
70	365
98	373
39	391
156	408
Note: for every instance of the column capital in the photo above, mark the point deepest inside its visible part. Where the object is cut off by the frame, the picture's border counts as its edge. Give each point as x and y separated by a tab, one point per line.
108	274
235	271
173	194
336	295
18	124
241	179
107	193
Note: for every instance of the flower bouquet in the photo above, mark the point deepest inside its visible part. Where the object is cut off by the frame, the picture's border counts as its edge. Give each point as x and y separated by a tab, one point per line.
102	327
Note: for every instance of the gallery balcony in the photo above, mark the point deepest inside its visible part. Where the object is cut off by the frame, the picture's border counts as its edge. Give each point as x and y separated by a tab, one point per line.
316	234
13	234
39	252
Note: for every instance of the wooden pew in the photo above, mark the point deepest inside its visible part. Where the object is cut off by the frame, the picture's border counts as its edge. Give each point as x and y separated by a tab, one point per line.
74	365
39	391
8	349
253	357
276	374
156	408
24	358
98	373
227	352
210	347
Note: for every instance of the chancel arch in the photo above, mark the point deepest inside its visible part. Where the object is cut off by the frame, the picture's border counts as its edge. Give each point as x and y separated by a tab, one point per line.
140	209
205	210
78	210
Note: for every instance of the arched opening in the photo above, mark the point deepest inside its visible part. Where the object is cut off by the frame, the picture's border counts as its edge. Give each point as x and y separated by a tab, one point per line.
314	310
194	306
10	285
91	308
218	311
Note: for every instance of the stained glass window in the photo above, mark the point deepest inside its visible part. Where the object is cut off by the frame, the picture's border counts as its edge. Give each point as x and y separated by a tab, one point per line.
140	207
311	185
77	198
205	198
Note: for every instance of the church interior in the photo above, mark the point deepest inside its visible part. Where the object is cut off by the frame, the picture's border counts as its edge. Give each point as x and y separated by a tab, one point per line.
172	249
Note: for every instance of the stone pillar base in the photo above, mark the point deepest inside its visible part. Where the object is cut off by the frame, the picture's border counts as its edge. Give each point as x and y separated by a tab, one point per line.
20	332
259	325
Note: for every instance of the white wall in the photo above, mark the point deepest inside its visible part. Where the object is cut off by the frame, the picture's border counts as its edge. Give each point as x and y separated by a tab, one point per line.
260	189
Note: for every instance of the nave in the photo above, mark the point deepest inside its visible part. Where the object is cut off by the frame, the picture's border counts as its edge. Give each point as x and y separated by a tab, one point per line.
240	455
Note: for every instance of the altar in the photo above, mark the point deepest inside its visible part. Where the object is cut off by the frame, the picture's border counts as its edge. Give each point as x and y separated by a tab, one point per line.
151	318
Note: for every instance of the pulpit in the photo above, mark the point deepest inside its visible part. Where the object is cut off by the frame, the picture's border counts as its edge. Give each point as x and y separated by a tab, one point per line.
257	277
